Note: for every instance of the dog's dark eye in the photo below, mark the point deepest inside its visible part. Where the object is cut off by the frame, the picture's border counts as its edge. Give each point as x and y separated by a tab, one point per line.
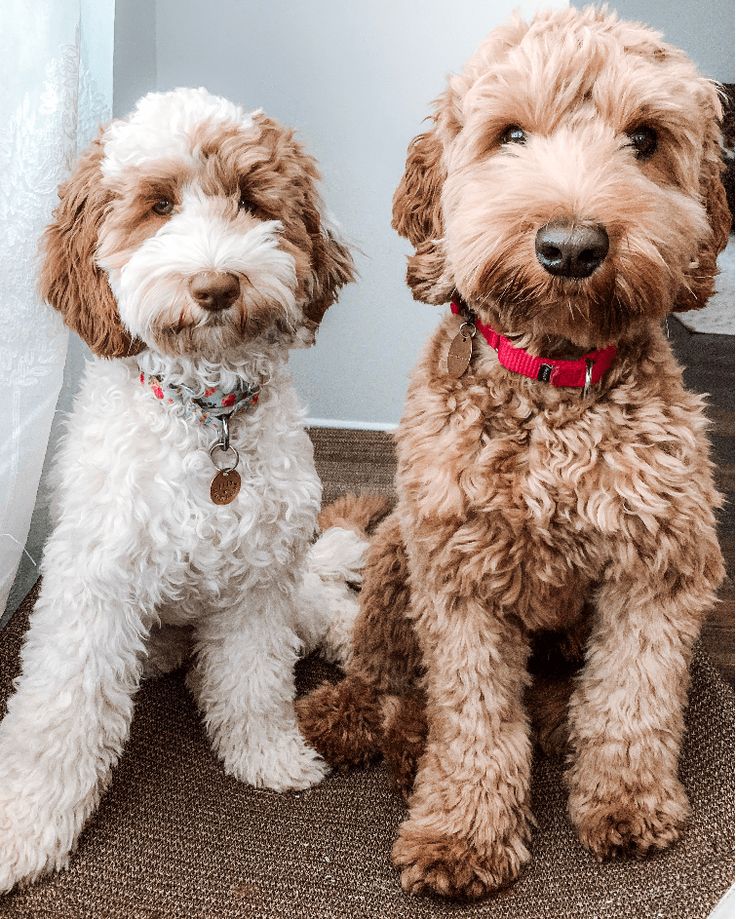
644	141
243	203
163	207
513	135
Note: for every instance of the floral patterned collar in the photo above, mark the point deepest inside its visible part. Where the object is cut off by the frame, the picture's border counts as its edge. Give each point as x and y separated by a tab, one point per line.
209	406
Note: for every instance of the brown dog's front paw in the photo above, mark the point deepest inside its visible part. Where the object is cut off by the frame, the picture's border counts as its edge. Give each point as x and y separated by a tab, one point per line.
623	827
452	867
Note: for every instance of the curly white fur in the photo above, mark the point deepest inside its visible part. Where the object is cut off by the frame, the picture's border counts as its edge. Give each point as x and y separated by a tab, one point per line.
140	556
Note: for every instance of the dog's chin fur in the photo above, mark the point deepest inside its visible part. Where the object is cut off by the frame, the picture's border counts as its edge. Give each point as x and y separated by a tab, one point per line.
141	561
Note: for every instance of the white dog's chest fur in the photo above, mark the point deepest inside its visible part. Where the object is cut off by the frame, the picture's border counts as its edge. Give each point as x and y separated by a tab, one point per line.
146	467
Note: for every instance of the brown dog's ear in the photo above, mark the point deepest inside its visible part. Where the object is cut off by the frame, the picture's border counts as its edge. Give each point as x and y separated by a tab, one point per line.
700	279
71	281
417	215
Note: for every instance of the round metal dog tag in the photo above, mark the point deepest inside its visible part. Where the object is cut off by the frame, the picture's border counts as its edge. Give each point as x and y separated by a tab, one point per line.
225	486
460	351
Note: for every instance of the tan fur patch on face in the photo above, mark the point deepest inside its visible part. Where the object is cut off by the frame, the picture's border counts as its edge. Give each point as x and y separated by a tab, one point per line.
133	217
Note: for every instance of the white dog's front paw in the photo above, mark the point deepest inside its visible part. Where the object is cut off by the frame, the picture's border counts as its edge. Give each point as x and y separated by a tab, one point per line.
284	764
28	847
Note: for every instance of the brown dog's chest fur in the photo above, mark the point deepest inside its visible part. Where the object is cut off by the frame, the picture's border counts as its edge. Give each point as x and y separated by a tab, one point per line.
527	487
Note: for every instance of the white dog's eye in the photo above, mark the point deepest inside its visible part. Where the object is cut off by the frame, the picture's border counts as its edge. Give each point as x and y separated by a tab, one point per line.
644	141
513	134
163	207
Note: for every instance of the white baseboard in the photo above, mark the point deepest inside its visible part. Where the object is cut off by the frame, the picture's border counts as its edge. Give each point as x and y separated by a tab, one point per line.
350	425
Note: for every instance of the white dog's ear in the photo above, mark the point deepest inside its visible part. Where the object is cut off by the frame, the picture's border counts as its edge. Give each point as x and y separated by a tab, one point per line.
330	262
71	281
700	280
332	266
417	215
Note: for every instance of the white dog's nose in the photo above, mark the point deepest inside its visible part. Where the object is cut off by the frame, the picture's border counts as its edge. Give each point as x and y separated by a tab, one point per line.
214	290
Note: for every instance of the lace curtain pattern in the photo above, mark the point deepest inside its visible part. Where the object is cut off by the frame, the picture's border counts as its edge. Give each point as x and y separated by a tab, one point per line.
57	87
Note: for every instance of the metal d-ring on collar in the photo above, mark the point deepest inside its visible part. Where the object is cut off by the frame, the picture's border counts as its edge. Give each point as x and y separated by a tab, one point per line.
468	328
224	444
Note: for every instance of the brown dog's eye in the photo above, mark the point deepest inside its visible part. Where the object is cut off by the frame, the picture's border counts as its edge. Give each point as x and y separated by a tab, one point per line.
513	135
243	203
163	207
644	141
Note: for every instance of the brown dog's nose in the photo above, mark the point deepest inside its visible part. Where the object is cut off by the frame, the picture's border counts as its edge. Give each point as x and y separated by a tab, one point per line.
570	250
214	290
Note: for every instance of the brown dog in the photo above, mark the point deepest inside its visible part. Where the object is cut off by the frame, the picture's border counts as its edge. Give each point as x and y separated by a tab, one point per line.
568	196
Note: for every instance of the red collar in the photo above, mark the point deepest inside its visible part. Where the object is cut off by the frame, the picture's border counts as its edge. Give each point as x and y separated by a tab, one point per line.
581	373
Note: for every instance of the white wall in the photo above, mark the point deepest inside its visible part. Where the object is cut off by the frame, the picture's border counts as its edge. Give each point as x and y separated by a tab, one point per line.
355	79
704	29
134	66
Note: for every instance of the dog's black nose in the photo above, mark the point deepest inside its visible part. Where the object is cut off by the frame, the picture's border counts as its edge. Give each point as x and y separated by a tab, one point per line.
571	250
214	290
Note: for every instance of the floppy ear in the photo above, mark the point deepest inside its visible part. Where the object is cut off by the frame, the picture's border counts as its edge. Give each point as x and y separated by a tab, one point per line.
417	215
70	279
332	266
330	262
700	279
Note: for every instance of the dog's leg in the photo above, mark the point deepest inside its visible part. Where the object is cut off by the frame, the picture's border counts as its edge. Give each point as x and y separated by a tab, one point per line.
403	738
626	714
469	819
556	658
547	700
69	717
243	681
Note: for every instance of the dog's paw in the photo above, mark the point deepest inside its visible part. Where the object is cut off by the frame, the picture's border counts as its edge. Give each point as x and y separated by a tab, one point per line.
26	852
341	721
450	866
627	826
285	764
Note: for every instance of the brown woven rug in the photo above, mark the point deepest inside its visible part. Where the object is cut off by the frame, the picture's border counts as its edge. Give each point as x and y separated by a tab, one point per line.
176	839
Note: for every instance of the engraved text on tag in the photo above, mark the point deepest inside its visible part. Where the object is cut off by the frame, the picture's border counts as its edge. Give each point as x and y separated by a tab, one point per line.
225	486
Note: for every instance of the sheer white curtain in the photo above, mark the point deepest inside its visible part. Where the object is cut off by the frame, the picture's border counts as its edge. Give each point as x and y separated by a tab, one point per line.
56	69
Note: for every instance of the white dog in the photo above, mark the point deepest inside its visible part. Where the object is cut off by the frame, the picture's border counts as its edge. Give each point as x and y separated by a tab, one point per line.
191	246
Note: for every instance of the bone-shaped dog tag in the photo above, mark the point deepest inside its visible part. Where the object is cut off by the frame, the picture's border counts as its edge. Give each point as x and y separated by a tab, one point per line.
461	349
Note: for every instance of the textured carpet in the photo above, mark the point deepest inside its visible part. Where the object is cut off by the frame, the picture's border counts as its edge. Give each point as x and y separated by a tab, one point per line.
176	839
